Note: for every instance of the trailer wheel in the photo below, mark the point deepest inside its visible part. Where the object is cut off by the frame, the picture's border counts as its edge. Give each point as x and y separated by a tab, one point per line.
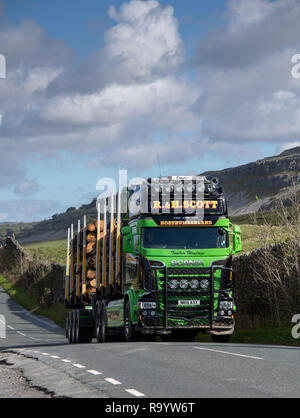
67	326
70	328
129	331
220	338
83	334
103	326
98	324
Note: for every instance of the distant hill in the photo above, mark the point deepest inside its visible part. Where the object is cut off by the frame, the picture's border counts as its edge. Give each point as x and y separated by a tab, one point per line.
56	228
268	180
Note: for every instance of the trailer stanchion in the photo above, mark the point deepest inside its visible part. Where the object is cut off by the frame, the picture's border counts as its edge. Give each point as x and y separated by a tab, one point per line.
111	242
104	275
98	263
67	278
118	239
72	263
78	262
83	273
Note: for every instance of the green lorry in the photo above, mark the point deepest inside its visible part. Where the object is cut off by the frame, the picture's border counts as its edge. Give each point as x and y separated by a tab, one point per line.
163	269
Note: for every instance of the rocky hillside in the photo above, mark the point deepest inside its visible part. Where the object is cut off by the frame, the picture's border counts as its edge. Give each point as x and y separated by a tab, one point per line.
249	187
56	227
259	185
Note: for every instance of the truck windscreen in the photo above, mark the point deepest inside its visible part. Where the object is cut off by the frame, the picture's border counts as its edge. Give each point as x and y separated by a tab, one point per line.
184	238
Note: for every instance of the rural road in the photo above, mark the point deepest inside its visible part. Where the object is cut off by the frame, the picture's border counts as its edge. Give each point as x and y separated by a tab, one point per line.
144	369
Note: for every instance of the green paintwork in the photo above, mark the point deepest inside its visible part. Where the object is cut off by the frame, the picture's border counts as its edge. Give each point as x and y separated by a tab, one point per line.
132	245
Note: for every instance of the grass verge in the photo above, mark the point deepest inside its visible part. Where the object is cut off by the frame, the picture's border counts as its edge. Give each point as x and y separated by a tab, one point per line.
56	312
264	335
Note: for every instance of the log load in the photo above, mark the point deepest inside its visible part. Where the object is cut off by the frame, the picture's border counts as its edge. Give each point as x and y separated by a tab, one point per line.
91	247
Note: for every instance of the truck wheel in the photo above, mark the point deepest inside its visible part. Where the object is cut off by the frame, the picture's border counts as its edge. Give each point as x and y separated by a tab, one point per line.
129	331
220	338
70	328
98	324
103	326
83	334
67	326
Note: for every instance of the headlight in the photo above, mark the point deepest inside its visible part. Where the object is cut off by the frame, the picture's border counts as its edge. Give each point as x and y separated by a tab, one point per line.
184	284
147	305
194	284
173	284
226	305
204	284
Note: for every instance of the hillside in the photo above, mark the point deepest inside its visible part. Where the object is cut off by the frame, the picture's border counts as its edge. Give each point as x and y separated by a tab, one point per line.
250	187
55	229
268	180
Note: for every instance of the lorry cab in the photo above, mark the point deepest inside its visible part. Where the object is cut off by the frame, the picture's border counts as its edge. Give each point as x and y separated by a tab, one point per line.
163	267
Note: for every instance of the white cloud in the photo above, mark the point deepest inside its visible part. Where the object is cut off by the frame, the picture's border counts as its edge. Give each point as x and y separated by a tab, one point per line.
122	97
245	67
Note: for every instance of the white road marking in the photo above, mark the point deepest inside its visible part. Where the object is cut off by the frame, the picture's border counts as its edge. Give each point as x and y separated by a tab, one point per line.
227	352
8	326
66	361
135	392
24	335
160	343
44	354
112	381
54	357
79	366
94	372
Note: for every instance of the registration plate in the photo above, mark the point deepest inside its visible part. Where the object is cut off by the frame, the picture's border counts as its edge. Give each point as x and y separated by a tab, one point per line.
189	303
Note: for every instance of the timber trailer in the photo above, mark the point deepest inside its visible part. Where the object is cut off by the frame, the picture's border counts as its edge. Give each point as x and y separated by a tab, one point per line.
158	270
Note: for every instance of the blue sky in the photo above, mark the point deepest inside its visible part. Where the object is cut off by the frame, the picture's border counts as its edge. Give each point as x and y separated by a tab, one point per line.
82	99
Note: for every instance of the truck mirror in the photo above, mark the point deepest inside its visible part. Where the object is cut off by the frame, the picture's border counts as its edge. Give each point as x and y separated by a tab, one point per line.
237	242
236	229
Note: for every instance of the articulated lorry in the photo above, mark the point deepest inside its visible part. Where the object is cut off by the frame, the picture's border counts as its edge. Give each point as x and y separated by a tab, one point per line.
158	261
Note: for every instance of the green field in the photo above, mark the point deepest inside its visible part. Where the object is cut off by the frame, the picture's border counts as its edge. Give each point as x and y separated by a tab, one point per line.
14	228
53	251
253	236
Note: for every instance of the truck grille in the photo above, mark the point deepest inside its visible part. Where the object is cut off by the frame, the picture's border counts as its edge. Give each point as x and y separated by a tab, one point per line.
194	307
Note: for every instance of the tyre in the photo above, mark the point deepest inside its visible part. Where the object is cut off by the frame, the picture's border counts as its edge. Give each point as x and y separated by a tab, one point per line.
220	338
103	326
67	326
83	333
70	328
129	332
98	324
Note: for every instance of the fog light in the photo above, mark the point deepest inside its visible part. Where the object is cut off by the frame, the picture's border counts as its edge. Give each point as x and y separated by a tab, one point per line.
204	284
145	313
184	284
194	284
173	284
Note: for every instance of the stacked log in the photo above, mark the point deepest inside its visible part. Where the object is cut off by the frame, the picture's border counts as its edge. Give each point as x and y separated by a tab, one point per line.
91	256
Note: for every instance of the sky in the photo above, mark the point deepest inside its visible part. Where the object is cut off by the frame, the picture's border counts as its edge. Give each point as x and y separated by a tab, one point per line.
156	87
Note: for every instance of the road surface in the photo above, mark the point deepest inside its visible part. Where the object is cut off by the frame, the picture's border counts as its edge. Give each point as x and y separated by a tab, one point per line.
146	369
